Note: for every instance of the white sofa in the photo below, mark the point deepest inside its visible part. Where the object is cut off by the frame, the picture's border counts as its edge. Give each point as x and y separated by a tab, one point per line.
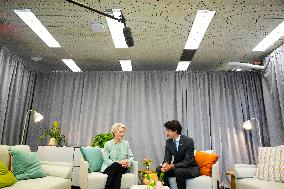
246	179
201	182
97	180
59	173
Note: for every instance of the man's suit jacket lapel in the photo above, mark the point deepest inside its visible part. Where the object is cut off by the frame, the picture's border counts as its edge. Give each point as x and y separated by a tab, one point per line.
181	141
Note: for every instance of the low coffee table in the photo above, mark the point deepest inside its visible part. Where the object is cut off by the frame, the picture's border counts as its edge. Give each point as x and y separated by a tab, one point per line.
144	187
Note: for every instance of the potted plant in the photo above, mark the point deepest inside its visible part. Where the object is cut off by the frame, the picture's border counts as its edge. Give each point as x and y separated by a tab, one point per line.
101	139
55	137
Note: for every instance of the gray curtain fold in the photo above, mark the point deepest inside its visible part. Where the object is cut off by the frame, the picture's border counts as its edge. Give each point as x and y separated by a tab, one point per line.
211	106
16	89
273	92
235	98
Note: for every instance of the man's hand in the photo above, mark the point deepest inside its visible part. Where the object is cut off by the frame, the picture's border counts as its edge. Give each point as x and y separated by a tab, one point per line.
166	167
124	163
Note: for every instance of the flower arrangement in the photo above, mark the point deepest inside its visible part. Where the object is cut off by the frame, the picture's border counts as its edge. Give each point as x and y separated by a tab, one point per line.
152	180
54	132
146	162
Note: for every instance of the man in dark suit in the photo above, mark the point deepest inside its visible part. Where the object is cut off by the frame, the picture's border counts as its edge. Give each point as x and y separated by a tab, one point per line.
179	159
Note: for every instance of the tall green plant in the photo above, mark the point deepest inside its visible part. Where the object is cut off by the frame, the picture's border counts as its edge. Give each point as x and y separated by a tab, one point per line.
101	139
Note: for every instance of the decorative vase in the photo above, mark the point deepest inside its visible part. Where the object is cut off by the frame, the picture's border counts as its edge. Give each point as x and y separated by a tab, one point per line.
147	167
52	142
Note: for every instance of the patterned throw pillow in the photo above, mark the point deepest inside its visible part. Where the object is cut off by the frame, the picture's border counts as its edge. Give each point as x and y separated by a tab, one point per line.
282	163
26	165
268	167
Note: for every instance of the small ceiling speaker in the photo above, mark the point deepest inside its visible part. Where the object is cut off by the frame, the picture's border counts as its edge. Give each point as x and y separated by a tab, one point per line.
97	26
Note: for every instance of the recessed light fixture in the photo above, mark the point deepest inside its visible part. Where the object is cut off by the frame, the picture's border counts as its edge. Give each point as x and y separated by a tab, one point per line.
125	65
72	65
183	65
199	27
31	20
271	38
116	29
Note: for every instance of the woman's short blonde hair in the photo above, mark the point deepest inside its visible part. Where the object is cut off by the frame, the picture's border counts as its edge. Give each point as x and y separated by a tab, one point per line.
116	126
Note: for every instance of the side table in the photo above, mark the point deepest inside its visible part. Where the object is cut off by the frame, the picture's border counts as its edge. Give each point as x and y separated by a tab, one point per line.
233	179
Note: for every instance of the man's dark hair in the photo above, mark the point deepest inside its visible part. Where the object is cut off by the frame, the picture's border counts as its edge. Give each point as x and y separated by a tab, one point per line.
174	125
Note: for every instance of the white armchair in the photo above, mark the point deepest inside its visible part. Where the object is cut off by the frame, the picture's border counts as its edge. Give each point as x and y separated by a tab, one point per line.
97	180
268	173
246	178
201	182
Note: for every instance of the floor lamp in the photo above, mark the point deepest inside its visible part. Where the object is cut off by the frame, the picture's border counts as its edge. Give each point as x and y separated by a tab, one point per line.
37	117
248	126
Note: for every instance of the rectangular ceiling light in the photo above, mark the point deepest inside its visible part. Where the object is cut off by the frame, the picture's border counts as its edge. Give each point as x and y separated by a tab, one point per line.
183	65
125	65
271	38
116	29
31	20
199	27
72	65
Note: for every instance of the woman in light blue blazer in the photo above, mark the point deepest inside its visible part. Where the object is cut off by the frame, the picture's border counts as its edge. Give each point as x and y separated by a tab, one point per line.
117	157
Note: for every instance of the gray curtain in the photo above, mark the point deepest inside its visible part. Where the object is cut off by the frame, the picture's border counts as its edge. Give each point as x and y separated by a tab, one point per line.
211	106
273	92
235	98
16	88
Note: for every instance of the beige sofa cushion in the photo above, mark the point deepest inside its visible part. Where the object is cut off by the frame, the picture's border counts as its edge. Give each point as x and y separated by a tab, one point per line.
201	182
127	180
25	148
4	155
48	182
244	170
57	169
282	163
96	180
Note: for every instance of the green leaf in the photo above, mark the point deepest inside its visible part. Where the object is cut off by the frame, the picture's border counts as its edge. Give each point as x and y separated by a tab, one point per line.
101	139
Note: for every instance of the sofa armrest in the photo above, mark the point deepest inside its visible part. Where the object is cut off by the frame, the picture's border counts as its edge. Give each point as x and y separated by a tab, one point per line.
57	169
215	175
244	171
134	169
83	174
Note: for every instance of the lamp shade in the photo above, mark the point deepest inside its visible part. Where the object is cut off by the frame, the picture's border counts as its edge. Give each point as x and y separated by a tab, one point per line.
247	125
37	116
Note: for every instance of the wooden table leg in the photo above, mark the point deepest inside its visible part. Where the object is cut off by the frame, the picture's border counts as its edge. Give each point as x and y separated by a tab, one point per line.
233	179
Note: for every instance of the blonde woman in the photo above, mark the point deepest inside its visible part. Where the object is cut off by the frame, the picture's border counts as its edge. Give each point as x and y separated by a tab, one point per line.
117	157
